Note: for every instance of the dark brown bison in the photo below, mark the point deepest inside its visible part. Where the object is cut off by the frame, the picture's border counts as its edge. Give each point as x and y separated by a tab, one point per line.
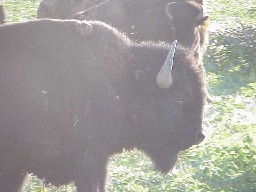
2	17
74	93
62	9
154	20
140	19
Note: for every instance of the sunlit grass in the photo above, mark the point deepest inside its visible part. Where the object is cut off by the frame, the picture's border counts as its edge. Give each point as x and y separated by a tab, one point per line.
20	10
232	13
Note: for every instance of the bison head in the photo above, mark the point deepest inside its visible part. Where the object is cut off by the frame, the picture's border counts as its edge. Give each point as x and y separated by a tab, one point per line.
189	21
172	106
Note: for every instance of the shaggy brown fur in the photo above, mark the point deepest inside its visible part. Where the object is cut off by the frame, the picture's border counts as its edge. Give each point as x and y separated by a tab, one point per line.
71	96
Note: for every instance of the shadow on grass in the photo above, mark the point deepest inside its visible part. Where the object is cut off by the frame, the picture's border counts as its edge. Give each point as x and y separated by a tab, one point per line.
230	60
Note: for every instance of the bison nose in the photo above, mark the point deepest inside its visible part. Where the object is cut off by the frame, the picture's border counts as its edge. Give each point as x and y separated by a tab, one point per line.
193	139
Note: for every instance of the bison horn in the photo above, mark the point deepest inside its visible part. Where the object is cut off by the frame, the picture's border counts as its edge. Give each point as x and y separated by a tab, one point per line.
167	9
164	77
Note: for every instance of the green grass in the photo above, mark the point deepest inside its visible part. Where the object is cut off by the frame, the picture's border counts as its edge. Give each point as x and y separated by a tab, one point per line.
225	161
20	10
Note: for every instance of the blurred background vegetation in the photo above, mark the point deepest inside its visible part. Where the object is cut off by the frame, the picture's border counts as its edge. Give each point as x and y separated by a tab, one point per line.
226	160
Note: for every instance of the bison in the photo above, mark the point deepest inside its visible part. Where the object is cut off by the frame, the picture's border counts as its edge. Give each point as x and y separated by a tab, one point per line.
74	93
143	19
154	20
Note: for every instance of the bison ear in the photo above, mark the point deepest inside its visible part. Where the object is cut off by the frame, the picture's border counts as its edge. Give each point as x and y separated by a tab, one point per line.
202	21
139	75
169	9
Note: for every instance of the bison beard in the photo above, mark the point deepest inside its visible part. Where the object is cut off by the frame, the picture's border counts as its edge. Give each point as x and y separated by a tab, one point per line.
73	94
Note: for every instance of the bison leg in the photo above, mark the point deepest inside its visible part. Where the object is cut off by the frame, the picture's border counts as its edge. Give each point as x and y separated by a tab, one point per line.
91	171
93	178
102	176
83	185
11	182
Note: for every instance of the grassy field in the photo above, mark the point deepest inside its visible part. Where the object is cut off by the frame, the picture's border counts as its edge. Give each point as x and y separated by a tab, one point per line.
226	160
